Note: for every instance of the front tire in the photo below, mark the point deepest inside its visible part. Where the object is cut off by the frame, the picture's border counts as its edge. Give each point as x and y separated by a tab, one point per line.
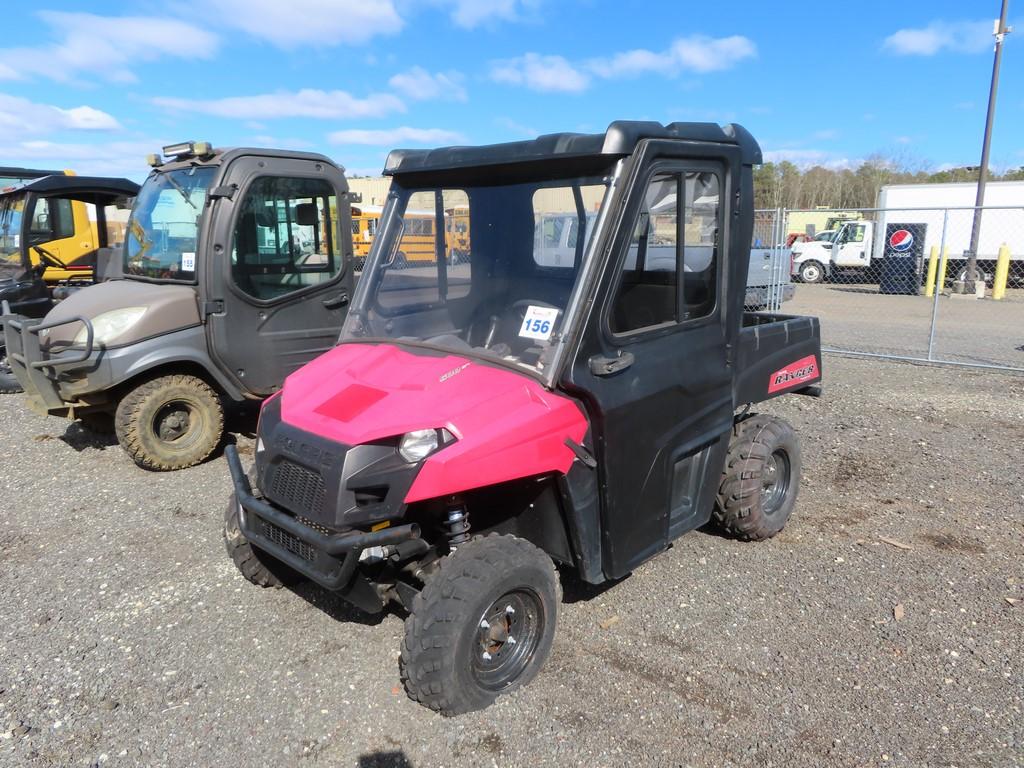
811	272
255	565
170	422
482	626
759	486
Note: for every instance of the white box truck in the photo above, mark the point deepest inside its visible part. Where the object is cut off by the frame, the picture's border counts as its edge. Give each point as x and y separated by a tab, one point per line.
859	246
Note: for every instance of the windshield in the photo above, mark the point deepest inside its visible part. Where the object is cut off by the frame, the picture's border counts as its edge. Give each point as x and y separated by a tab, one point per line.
479	270
164	227
11	209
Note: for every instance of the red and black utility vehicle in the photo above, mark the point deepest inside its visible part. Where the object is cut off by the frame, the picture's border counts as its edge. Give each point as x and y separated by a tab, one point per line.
480	421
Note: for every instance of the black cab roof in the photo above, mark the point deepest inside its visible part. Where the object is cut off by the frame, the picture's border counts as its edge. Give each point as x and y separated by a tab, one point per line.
619	140
70	186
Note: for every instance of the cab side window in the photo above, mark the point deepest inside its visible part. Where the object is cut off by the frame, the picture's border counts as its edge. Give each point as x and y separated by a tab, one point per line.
52	219
670	271
285	237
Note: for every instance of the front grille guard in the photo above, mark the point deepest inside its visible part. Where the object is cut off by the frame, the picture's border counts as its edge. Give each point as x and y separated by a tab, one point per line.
334	556
27	359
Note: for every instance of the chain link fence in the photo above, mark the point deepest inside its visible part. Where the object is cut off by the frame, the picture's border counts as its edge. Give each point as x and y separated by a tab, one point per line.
887	282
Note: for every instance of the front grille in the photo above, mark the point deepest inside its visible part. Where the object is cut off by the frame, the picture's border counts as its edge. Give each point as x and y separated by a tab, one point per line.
297	488
285	540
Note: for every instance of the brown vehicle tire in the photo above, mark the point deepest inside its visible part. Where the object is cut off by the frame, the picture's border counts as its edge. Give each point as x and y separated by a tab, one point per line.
482	626
256	566
759	486
170	422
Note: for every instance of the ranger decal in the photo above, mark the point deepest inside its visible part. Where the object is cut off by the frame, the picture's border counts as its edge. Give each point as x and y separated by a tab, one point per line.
802	370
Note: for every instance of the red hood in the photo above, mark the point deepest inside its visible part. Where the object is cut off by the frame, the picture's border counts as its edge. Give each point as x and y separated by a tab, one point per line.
508	426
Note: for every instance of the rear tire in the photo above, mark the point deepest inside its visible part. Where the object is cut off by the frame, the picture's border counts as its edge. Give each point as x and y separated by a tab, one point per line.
482	626
759	486
255	565
170	422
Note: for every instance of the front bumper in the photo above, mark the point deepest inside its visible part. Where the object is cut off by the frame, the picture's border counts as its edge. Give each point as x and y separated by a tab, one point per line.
41	374
329	559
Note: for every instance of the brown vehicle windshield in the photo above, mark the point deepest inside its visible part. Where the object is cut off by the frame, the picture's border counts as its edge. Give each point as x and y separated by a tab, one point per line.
163	233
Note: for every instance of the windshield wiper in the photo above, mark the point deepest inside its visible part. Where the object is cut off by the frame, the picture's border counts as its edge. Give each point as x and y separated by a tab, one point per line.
181	190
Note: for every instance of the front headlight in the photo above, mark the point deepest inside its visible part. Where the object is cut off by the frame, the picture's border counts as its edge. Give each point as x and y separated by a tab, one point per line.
418	444
109	325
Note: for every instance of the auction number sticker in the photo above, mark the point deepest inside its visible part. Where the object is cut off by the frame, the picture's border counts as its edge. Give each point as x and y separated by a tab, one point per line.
188	261
539	323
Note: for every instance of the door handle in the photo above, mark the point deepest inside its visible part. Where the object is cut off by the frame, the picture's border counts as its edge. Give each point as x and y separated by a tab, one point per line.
606	366
333	302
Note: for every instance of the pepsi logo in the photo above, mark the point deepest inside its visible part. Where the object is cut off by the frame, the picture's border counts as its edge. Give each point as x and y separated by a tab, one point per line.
901	240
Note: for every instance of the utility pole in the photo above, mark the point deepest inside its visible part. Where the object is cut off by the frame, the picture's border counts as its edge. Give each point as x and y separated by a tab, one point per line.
1001	30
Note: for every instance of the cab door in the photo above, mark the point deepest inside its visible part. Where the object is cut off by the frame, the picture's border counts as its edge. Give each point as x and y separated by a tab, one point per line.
653	364
850	249
278	277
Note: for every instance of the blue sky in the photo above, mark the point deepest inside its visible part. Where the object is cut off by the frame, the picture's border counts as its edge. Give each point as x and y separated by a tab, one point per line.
95	86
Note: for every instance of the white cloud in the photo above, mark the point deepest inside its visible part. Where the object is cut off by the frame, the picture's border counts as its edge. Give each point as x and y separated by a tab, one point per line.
107	47
310	103
696	53
470	14
20	117
825	134
540	73
115	158
393	137
420	85
806	158
956	36
293	23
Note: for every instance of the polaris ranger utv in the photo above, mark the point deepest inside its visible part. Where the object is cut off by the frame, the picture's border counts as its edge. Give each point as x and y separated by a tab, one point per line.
42	223
235	273
481	421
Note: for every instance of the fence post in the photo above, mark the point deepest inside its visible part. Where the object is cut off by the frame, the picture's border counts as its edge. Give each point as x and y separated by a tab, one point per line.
1002	273
935	294
933	259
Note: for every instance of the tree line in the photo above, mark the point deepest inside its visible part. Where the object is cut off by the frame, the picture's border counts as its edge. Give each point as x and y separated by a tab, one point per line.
785	185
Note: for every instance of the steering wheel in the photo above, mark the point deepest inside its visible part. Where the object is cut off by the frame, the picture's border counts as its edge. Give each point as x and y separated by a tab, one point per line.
49	259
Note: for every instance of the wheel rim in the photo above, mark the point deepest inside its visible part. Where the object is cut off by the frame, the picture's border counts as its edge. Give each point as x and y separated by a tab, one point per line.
506	639
775	481
811	274
177	423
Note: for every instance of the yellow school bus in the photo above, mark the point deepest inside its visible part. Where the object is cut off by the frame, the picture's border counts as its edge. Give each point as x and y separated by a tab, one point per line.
456	224
418	241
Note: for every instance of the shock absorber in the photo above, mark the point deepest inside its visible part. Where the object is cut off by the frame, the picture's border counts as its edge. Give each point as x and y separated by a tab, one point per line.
457	525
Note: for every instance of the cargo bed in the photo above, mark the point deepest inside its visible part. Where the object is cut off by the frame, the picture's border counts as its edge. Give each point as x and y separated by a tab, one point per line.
776	354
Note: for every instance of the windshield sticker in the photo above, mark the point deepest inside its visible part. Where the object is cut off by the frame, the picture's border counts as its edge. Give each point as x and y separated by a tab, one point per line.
539	323
188	261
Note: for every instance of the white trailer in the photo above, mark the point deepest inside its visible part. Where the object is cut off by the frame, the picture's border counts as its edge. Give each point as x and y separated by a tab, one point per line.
860	245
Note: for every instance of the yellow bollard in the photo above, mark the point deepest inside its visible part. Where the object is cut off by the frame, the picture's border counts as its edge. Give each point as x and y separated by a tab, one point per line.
1002	273
941	283
933	264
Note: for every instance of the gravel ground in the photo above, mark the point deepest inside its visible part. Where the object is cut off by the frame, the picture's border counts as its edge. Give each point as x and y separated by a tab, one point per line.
884	626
